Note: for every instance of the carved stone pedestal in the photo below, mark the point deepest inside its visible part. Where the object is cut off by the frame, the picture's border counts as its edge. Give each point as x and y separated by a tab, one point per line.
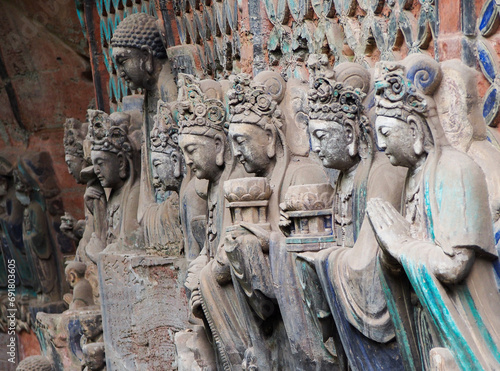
143	306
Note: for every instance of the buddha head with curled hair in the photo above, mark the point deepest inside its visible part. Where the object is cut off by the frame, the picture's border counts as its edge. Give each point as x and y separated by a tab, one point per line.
166	155
337	121
256	120
138	50
202	131
112	150
406	111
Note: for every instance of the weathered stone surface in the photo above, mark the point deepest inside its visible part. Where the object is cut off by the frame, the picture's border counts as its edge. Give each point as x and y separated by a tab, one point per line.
144	305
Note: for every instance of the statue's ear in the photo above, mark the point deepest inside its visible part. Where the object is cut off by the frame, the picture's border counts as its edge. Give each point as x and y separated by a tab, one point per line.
72	276
417	133
177	164
271	134
350	134
219	150
122	166
148	53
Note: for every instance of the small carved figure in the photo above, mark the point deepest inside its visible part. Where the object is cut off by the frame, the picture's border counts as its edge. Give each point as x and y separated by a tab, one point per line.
91	324
74	135
162	230
441	248
94	357
82	291
116	164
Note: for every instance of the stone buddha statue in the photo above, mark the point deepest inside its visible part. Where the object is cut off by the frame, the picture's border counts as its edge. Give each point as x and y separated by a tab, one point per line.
74	136
264	269
37	190
115	158
464	127
162	230
438	250
204	143
142	61
11	225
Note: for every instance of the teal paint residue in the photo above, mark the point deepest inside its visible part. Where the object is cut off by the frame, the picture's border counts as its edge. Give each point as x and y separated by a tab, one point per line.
428	210
439	195
466	296
404	343
430	297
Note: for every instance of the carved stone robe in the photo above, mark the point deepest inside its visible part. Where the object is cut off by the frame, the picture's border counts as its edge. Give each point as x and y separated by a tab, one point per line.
349	275
449	210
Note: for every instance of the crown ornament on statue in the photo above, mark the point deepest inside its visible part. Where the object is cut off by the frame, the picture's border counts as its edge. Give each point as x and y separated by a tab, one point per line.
165	133
396	96
109	134
195	111
332	101
74	135
250	101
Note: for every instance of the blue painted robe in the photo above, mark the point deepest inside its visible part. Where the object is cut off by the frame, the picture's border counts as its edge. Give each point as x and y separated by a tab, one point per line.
453	212
349	275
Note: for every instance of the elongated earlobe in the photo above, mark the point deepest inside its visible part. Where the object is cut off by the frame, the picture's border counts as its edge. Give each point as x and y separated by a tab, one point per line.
149	65
219	150
352	147
177	166
418	137
122	166
271	140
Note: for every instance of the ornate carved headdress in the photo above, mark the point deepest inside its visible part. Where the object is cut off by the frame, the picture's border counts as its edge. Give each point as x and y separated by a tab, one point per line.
332	101
109	132
404	89
250	101
165	130
74	135
137	30
197	113
396	96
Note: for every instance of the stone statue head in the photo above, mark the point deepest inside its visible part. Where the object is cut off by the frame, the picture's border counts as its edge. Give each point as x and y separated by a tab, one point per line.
74	271
112	148
203	127
256	121
94	356
35	363
138	50
407	124
337	123
91	322
74	136
166	155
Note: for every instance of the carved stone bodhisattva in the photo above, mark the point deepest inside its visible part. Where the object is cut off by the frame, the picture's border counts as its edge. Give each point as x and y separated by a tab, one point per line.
441	247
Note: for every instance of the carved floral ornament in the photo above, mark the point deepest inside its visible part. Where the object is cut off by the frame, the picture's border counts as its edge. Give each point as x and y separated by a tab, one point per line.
108	135
329	99
165	133
250	101
197	111
74	134
395	95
